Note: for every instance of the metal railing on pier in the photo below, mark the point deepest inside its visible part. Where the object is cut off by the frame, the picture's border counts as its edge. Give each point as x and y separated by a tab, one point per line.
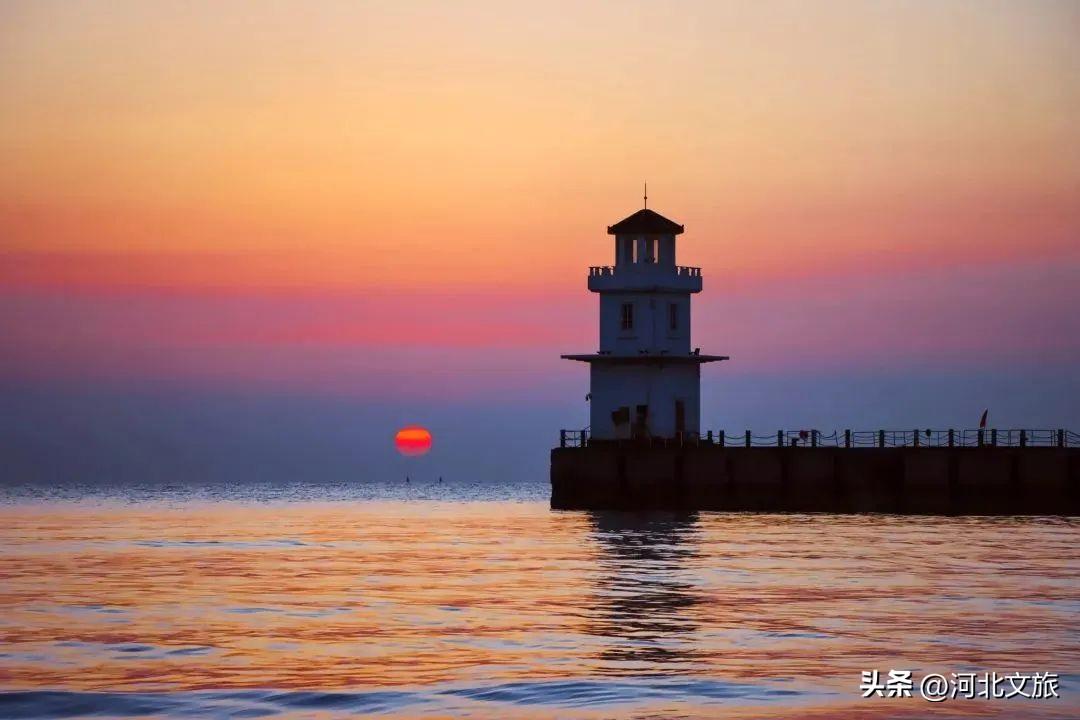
982	437
573	438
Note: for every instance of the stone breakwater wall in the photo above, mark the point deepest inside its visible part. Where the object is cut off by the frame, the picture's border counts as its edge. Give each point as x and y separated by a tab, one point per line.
905	480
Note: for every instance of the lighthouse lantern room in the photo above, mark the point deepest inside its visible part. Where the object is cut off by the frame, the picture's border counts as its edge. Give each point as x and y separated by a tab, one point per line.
645	380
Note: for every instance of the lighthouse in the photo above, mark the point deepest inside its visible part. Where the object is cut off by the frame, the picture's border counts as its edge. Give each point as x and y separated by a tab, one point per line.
645	380
645	402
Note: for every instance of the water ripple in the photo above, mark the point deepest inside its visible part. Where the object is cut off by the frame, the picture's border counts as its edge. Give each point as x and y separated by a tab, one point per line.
253	703
504	609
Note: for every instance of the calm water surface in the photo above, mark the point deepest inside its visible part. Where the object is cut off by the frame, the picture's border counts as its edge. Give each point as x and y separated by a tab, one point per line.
453	600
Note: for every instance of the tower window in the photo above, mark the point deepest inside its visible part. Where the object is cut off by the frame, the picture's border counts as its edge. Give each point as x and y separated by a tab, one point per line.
673	316
627	316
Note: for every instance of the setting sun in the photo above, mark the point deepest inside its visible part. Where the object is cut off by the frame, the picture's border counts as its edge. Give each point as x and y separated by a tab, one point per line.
412	440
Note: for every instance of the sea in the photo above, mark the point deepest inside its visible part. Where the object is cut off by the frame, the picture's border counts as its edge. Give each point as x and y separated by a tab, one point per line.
448	600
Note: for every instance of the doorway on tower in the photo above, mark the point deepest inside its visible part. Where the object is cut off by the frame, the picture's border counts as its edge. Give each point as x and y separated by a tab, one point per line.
641	423
636	430
621	420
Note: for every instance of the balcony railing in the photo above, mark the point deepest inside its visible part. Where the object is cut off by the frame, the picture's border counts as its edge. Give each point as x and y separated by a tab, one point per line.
645	277
680	270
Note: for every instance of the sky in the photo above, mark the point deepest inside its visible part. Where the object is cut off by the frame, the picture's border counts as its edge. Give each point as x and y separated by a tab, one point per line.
255	240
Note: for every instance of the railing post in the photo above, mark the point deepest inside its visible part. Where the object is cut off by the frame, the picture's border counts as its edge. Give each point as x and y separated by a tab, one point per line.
915	441
881	438
721	438
847	438
952	437
981	437
747	438
584	438
1023	438
562	438
709	435
993	438
813	438
779	438
1061	438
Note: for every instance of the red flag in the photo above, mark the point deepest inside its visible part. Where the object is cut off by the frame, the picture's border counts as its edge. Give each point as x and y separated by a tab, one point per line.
982	421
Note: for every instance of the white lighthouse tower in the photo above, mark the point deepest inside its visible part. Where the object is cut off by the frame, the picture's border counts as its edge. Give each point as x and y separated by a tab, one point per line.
645	381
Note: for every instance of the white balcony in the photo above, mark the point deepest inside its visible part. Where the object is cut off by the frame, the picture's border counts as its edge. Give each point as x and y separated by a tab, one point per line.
646	277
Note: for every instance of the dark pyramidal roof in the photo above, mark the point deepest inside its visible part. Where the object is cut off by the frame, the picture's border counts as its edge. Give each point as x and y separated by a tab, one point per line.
645	222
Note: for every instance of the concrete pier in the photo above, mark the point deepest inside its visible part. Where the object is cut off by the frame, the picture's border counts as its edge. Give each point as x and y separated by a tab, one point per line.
904	480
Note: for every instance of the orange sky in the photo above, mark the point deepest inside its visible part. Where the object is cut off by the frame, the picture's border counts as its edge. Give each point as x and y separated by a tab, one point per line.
391	198
258	238
424	145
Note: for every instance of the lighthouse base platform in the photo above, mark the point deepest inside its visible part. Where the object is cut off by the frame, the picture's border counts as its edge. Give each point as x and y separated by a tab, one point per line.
902	480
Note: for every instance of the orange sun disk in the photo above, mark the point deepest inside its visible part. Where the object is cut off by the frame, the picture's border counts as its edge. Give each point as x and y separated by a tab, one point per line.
412	440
